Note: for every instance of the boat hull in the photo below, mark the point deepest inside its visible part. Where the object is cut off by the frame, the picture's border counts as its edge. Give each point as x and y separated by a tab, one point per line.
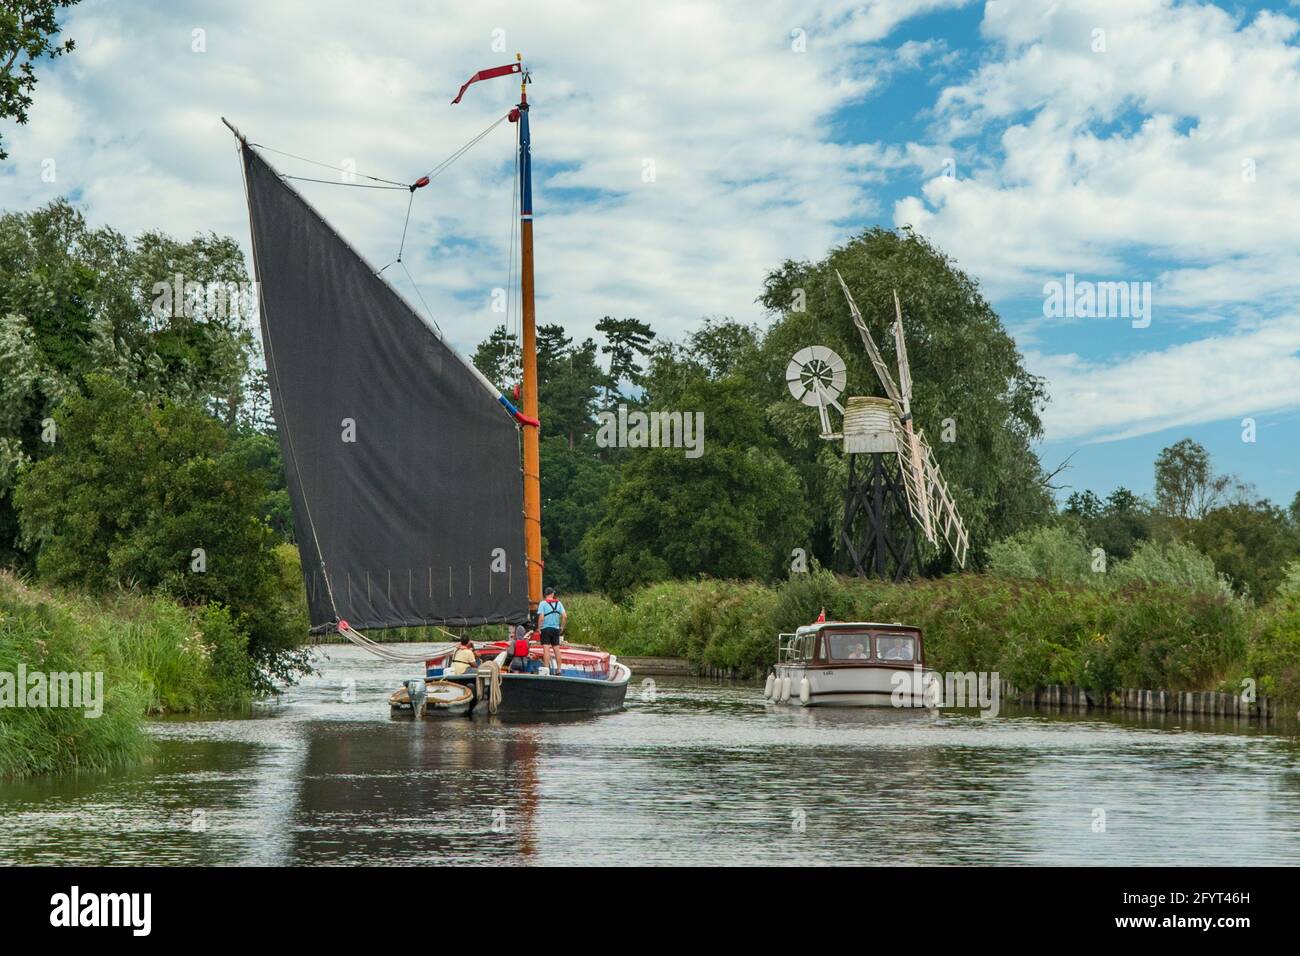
526	694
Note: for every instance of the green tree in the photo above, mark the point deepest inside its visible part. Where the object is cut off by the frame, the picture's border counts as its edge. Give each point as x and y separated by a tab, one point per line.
1084	506
575	481
967	374
568	384
76	301
28	29
721	347
1116	525
1186	485
1250	542
625	339
497	357
1048	553
1274	655
202	342
736	511
575	484
1173	564
149	494
260	454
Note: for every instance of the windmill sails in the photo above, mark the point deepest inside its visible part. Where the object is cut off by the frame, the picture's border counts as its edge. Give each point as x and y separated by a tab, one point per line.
928	497
402	467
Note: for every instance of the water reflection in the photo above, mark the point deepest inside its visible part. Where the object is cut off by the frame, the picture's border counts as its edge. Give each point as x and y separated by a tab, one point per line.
704	773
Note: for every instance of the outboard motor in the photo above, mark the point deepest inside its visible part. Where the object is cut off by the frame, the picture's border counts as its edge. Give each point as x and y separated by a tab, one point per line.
415	690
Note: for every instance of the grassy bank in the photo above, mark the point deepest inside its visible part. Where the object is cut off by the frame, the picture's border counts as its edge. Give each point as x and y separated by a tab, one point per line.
155	656
1033	632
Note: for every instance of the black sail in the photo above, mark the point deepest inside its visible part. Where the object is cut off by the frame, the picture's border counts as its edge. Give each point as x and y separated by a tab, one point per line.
403	468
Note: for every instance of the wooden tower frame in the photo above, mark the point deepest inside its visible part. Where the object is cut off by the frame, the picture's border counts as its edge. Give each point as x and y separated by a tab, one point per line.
877	531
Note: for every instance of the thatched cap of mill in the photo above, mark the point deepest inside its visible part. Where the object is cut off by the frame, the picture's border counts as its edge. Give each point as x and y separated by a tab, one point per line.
869	425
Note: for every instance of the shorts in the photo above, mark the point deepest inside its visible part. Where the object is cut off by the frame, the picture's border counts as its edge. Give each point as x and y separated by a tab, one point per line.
551	636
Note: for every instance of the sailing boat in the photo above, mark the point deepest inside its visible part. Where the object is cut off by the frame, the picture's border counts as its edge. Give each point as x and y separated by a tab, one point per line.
402	460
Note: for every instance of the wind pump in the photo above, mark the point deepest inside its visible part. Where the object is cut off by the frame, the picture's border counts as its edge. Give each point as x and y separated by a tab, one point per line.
896	494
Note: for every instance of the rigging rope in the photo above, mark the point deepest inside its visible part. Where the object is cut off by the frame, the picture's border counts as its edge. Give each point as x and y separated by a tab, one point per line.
401	246
341	169
464	149
387	653
420	294
331	182
424	181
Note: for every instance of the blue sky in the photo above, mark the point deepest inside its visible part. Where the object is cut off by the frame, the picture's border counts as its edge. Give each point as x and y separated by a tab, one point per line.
1109	139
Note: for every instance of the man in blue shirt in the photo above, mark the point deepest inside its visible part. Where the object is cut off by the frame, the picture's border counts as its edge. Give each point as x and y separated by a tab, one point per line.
551	620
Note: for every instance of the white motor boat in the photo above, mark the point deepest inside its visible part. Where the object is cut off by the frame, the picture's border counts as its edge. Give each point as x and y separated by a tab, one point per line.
852	664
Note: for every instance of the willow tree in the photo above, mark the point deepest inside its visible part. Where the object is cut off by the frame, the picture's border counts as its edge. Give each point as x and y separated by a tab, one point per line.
972	395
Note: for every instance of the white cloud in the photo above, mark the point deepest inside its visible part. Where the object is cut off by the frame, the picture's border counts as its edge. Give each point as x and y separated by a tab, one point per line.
1126	164
1134	164
1075	195
735	121
1213	378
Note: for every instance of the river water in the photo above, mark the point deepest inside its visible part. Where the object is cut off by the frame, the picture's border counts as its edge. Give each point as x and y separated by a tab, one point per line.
694	772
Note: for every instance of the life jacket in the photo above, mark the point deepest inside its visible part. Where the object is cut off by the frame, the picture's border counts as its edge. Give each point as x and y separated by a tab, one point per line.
520	662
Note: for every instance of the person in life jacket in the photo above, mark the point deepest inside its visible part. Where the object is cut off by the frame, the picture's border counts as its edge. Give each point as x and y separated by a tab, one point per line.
463	657
551	621
517	659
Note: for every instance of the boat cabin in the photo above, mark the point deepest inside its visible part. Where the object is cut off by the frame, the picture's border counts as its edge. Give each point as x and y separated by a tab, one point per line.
852	644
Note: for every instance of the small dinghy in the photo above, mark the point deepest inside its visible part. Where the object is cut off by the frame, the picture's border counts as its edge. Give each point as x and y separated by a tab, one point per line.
437	698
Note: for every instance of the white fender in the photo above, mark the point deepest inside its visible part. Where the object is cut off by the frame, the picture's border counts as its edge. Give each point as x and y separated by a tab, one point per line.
805	692
785	689
767	688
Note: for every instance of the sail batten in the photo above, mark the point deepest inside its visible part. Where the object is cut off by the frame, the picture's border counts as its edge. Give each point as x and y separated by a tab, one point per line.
401	463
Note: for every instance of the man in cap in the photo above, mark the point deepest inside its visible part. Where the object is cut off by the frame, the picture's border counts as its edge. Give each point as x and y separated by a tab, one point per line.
551	620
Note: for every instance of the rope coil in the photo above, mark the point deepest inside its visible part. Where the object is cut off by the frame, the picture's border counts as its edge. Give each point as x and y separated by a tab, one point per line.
491	672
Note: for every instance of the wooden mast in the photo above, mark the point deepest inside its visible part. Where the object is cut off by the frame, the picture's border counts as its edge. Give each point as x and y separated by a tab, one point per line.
532	451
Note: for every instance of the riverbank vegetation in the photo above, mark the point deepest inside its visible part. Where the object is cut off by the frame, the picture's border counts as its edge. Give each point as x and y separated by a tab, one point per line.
141	491
1141	629
155	656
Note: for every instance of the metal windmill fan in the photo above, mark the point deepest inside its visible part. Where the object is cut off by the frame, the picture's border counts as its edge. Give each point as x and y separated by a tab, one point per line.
816	376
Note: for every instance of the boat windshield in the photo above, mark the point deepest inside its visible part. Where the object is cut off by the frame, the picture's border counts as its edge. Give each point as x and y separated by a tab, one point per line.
895	647
848	646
